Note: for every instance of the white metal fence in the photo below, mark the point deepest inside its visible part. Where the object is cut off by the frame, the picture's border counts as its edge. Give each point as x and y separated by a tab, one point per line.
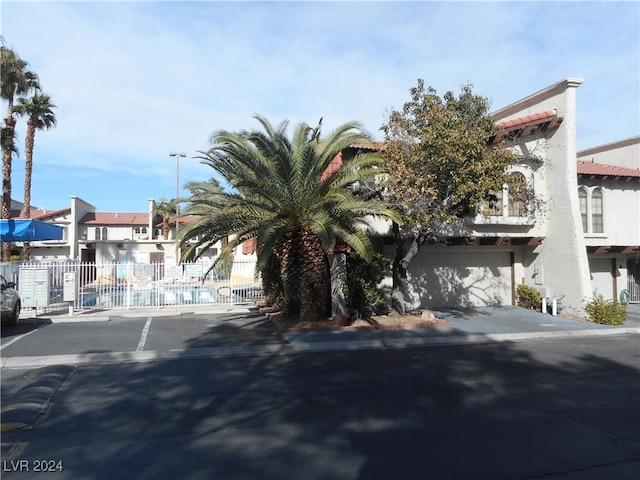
134	285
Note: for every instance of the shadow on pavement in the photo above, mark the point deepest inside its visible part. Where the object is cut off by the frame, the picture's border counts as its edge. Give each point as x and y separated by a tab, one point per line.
22	328
496	410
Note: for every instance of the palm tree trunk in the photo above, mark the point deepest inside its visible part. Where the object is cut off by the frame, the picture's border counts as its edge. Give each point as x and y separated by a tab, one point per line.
7	150
304	275
28	170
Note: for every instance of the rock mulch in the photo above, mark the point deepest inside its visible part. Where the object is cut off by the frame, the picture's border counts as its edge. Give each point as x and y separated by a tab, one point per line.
392	321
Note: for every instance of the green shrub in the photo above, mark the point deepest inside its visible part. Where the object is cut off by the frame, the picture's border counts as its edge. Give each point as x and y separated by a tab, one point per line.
606	312
528	297
361	290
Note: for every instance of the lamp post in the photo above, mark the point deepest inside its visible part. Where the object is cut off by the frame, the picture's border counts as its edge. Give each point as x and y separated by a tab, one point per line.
177	155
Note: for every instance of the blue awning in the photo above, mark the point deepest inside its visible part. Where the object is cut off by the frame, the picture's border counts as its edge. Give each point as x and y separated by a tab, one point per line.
27	230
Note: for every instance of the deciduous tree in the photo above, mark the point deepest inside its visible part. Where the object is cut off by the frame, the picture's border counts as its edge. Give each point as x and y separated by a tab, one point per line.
442	168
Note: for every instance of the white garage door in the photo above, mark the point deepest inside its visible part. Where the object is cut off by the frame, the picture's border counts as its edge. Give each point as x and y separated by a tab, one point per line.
463	279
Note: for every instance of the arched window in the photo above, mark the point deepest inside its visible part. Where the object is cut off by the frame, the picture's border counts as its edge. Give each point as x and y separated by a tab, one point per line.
143	229
493	204
136	230
517	195
597	222
97	233
104	233
582	195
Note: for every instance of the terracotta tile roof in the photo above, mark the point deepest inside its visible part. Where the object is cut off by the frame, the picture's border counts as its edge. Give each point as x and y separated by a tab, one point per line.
592	169
97	218
337	162
39	214
375	145
516	122
334	166
525	126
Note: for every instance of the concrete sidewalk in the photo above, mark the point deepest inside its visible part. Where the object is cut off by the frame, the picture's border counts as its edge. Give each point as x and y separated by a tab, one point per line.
472	325
469	325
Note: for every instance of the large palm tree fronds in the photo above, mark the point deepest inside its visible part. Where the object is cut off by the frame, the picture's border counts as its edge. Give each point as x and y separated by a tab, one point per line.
38	109
165	209
39	112
15	81
279	194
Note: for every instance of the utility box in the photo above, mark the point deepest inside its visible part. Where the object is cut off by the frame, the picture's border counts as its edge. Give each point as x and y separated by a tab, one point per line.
70	287
34	287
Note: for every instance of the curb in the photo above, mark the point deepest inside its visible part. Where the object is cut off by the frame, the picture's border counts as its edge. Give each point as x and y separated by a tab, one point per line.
297	347
91	317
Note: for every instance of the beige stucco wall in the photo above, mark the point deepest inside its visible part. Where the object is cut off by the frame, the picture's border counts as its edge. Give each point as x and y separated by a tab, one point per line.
621	211
623	153
562	258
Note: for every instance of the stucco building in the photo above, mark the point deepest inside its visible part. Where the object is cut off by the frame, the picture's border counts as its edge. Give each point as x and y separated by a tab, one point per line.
583	237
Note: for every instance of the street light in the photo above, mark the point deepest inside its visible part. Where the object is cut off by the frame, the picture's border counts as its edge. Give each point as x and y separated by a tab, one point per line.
177	155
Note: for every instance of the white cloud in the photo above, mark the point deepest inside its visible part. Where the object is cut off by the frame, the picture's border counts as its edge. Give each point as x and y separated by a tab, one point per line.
135	80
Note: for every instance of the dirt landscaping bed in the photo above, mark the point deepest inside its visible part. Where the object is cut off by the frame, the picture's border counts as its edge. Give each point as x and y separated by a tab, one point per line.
424	319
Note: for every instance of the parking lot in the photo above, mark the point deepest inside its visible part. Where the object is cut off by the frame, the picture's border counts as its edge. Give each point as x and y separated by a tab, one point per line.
150	330
147	334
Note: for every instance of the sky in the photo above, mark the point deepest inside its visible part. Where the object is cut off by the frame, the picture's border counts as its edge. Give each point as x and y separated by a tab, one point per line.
133	81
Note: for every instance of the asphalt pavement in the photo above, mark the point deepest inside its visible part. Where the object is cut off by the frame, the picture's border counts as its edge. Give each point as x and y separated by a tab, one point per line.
217	392
240	330
563	408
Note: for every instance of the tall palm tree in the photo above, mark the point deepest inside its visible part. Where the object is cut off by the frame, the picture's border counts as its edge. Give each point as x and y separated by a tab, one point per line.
16	80
280	195
40	115
166	209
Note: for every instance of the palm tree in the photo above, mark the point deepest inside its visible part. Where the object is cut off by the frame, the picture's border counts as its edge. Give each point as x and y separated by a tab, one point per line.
16	81
280	195
38	109
166	209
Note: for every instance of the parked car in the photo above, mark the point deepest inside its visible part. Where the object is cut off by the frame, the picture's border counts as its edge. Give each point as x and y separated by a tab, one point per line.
10	302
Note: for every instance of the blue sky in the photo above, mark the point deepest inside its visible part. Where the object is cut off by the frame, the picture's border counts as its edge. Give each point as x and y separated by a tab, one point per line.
135	80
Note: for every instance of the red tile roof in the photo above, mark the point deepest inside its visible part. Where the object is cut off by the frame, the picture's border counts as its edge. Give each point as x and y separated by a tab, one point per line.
593	169
536	117
376	145
39	214
525	126
98	218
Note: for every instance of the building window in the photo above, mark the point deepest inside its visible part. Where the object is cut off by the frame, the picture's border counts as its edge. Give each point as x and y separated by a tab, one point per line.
517	196
249	246
104	233
582	195
137	230
596	211
97	233
493	204
143	230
